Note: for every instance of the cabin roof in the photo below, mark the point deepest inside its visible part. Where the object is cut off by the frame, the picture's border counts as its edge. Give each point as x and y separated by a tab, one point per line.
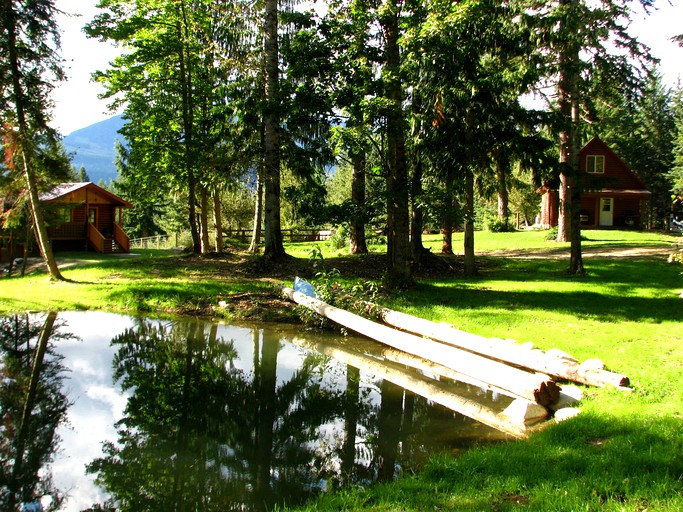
64	189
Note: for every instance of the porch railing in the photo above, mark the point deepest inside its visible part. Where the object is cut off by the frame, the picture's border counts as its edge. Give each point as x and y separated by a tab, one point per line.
95	238
121	238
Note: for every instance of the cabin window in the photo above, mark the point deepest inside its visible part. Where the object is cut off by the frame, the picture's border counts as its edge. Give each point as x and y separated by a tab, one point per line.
63	215
595	164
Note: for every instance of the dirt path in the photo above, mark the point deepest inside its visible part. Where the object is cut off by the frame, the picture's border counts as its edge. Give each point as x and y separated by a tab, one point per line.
590	252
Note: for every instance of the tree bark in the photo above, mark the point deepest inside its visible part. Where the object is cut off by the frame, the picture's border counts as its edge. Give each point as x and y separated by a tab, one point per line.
357	226
274	247
398	229
204	219
218	220
258	213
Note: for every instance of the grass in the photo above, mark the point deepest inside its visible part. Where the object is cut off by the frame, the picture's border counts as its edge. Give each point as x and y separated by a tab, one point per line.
624	452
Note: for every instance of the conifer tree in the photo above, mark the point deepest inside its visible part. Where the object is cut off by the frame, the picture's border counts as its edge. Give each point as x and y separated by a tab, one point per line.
29	67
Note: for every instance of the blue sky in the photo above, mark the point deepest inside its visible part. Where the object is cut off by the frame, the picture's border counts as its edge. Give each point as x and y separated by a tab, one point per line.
77	104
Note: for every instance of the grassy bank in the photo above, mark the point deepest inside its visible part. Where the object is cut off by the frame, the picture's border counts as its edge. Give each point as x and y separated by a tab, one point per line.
625	450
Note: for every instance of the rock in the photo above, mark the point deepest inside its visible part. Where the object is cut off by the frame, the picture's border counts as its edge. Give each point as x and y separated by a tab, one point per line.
525	412
566	413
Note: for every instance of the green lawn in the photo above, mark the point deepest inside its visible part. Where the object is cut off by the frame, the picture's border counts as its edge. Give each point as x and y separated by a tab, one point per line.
623	452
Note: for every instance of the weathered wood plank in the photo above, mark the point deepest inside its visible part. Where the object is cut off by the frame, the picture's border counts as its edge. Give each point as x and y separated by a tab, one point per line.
430	389
531	386
563	367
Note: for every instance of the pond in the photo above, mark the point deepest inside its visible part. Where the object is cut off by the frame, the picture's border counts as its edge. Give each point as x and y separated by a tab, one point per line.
109	412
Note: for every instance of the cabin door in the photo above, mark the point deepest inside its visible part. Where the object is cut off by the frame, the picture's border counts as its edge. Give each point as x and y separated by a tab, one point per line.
606	211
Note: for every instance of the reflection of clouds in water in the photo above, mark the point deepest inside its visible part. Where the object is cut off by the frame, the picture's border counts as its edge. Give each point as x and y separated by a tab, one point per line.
97	403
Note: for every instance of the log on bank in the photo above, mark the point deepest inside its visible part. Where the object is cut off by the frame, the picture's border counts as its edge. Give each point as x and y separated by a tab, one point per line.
534	387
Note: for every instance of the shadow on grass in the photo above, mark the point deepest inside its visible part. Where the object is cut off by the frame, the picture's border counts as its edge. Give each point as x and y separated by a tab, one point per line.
581	304
585	460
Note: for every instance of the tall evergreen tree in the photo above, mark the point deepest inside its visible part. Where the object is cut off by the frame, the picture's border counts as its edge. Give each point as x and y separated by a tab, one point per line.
29	66
641	129
676	172
578	39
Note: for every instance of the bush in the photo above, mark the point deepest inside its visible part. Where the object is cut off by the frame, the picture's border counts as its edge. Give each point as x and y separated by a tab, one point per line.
339	238
496	225
552	234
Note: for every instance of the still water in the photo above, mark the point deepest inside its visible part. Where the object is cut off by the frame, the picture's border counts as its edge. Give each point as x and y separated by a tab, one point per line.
109	412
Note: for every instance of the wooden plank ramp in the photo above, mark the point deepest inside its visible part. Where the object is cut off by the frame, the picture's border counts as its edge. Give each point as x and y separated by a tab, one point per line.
554	362
508	420
531	386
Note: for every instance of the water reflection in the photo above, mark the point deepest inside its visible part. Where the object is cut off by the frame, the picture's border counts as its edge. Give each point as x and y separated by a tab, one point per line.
32	406
213	417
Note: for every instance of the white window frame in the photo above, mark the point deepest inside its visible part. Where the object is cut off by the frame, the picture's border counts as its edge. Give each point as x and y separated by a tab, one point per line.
595	164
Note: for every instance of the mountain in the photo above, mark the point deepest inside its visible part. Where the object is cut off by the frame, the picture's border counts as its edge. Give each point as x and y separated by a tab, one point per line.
92	147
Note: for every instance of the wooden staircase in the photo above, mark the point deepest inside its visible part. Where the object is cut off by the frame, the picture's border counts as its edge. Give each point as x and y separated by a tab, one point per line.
111	246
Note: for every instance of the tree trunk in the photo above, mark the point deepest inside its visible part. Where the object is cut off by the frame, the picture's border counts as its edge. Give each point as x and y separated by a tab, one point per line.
23	143
218	220
417	217
398	229
188	131
534	387
472	405
258	213
503	197
470	268
357	226
569	225
449	213
576	258
22	430
204	219
274	247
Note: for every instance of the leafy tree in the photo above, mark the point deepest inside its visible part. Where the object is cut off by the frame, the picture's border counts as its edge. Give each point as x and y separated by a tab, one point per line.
641	129
29	65
475	60
272	116
576	38
398	221
676	172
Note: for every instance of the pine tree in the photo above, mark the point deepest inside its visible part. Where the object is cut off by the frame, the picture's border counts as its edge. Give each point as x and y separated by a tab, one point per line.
29	66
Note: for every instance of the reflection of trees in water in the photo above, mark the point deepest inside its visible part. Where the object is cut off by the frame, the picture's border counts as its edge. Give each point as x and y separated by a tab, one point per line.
199	433
32	406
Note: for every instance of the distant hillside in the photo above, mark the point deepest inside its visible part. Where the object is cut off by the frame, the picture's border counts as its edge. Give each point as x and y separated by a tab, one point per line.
92	147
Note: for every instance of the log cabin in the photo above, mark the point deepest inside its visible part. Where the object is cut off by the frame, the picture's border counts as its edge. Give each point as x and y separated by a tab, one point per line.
613	196
85	216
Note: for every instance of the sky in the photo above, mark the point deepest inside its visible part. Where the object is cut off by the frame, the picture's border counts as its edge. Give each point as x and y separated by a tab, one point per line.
77	104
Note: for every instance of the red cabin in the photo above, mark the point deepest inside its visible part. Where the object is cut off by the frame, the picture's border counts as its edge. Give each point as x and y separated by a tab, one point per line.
83	214
613	195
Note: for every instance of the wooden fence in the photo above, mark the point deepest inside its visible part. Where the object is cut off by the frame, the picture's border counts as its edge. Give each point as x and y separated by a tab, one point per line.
288	235
241	235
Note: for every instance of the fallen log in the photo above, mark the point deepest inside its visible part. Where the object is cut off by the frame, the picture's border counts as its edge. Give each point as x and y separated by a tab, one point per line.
510	421
387	353
531	386
563	367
